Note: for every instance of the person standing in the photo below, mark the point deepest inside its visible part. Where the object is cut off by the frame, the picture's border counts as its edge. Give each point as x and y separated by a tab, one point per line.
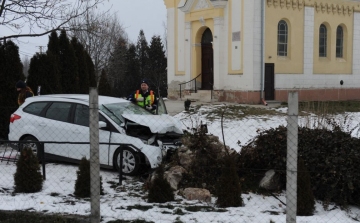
24	91
144	97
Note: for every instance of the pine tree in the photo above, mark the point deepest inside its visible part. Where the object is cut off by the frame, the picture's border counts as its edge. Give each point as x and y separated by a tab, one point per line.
160	190
27	177
104	86
68	65
157	66
305	196
91	70
117	69
142	51
132	70
11	70
83	75
82	183
228	187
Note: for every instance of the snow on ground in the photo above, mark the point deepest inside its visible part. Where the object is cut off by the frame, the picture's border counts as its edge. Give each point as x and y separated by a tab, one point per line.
128	202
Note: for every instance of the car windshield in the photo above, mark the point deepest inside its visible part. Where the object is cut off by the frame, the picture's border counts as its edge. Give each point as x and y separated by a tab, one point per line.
115	110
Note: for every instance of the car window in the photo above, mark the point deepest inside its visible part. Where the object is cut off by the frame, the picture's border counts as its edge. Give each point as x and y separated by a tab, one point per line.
58	111
81	116
35	108
161	108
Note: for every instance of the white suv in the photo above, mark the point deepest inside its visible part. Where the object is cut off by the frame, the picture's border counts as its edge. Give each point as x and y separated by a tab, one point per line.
61	121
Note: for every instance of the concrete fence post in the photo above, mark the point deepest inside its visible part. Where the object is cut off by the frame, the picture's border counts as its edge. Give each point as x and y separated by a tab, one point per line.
292	157
94	156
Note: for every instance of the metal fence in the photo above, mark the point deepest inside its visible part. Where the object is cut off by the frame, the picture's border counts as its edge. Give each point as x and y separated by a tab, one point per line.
125	198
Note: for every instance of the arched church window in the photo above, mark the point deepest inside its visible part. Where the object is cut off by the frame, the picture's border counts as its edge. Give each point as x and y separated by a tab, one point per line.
322	41
282	38
207	36
339	42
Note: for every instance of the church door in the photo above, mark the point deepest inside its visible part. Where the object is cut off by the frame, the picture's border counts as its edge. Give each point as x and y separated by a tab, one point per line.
207	61
269	81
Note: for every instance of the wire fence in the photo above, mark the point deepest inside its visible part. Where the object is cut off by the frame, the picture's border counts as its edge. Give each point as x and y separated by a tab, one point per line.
289	165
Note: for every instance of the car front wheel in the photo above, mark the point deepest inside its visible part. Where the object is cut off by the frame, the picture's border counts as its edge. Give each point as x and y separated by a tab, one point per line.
130	163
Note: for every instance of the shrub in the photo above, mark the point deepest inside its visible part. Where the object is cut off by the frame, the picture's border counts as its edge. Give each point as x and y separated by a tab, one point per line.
305	196
160	190
331	156
27	177
228	187
82	183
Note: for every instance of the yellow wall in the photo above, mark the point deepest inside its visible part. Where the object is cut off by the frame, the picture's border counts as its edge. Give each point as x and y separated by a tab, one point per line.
293	62
331	64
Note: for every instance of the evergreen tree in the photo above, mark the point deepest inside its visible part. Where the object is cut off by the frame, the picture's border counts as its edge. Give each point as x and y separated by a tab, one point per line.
43	72
132	70
117	69
68	65
83	75
160	190
228	187
28	178
53	53
11	70
157	66
104	86
82	183
53	44
142	51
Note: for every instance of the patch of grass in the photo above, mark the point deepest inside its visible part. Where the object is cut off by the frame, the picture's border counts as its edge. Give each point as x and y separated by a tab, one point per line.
31	217
54	194
178	211
329	107
139	207
169	206
177	220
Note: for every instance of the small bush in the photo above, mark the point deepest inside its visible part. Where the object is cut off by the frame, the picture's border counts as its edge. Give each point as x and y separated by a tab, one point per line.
160	190
331	156
228	187
82	183
28	178
305	196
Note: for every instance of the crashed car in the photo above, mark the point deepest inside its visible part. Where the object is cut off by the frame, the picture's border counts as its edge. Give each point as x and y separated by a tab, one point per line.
61	123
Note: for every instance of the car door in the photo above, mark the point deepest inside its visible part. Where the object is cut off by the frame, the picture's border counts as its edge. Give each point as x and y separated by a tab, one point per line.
81	131
55	127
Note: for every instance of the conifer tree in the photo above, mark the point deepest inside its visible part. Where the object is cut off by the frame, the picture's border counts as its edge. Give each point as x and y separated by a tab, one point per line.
82	183
11	70
157	66
104	86
228	187
117	69
305	196
132	70
68	65
27	177
160	190
83	75
142	51
91	70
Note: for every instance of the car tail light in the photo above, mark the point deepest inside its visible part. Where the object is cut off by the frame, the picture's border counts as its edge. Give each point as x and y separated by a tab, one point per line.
14	117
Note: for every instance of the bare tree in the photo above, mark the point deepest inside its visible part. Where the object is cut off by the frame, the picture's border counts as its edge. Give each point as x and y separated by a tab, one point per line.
99	32
32	18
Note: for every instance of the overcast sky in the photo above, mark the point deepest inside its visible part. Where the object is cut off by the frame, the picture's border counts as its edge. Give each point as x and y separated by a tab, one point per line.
149	15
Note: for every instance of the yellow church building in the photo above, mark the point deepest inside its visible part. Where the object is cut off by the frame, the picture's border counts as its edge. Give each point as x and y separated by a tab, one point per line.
253	51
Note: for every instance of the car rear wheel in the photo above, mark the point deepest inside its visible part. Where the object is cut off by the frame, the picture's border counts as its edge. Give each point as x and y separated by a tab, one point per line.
131	161
32	143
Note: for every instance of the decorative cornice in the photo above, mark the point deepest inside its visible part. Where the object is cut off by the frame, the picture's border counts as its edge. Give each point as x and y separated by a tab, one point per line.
186	6
333	9
294	4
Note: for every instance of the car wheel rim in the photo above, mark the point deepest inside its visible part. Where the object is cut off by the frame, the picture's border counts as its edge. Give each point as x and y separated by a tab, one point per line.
32	146
129	162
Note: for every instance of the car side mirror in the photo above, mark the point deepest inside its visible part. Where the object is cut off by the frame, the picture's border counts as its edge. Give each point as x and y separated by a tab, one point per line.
102	124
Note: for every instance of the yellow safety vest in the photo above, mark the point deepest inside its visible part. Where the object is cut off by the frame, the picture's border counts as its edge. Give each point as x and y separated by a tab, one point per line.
149	100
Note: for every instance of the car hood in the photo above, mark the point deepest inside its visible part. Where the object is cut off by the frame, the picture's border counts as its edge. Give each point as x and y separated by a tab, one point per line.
157	123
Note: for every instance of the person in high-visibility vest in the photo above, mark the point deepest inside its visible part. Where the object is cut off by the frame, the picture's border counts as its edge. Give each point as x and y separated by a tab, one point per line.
144	97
